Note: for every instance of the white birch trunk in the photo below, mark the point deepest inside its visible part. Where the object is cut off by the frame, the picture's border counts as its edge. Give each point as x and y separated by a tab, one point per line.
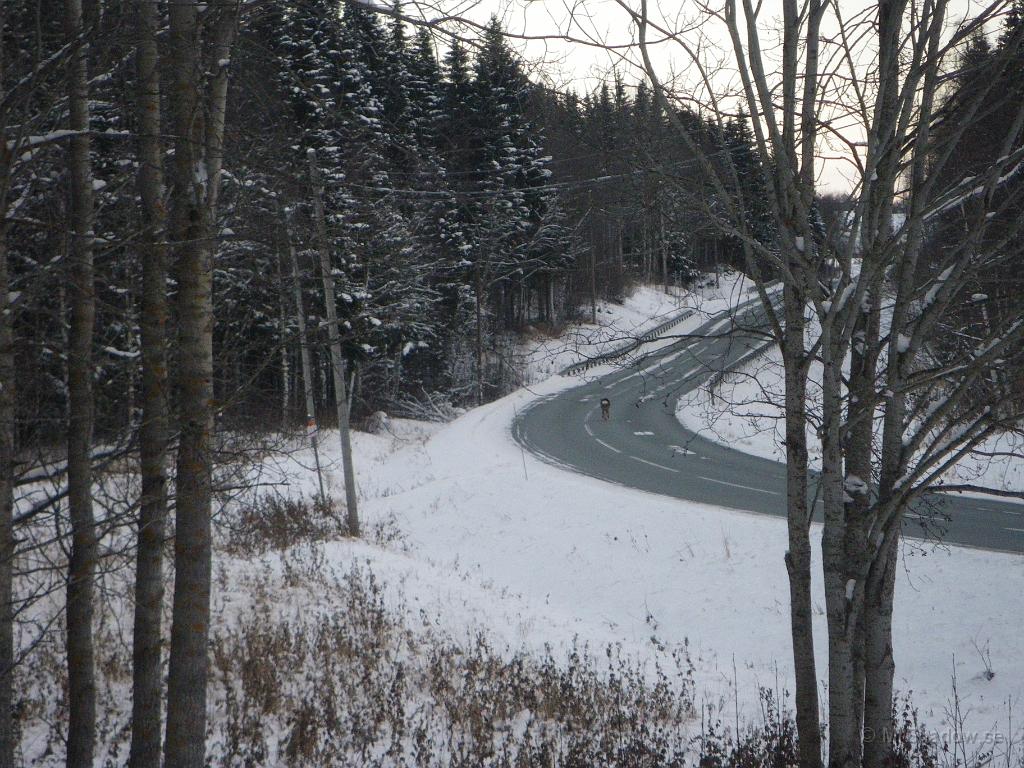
334	339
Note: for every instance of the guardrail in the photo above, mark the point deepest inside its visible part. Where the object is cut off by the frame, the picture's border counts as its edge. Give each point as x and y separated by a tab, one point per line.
619	352
718	377
655	332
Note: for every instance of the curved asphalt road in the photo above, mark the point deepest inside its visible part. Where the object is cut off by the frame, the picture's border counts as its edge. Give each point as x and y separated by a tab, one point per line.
644	446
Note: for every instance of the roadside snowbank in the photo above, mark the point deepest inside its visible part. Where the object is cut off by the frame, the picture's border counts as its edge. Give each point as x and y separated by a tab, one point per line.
744	411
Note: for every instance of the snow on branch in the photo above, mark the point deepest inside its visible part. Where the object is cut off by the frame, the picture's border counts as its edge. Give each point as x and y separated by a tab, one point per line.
961	487
968	189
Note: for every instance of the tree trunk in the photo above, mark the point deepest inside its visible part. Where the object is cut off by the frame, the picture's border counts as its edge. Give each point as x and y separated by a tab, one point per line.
307	366
147	673
798	558
334	338
593	284
858	451
879	662
880	578
7	437
198	130
552	310
282	325
664	254
478	309
82	564
843	589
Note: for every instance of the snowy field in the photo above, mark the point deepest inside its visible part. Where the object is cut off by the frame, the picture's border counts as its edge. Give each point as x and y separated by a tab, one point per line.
485	536
744	411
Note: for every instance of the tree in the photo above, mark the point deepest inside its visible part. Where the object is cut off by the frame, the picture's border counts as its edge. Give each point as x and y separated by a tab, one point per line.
147	670
7	440
197	118
338	367
82	563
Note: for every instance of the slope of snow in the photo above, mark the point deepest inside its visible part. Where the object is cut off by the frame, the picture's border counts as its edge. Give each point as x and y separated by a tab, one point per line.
619	324
492	538
468	534
744	411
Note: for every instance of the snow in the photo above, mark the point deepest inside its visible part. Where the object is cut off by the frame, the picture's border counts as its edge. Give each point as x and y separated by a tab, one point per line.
495	539
480	536
122	353
753	422
490	538
743	411
618	325
933	292
34	141
991	466
854	485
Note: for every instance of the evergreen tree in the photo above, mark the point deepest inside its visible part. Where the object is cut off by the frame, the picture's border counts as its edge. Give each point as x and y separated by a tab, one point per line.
989	86
747	172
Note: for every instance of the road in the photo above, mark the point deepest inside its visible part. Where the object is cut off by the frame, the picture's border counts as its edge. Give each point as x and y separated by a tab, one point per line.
644	446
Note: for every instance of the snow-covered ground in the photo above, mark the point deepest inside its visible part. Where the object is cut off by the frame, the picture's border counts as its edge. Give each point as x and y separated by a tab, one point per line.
488	537
470	536
619	324
744	411
493	538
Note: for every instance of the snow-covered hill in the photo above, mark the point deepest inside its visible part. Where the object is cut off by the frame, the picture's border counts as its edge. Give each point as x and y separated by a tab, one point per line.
489	537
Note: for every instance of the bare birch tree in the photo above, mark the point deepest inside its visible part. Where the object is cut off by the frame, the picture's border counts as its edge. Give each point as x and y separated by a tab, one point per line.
894	374
199	51
147	671
82	564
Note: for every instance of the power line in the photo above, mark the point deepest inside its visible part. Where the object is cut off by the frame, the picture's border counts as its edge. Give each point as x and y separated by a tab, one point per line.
552	186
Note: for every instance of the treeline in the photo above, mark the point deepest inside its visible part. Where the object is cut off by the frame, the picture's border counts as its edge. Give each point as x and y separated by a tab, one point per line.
981	123
462	202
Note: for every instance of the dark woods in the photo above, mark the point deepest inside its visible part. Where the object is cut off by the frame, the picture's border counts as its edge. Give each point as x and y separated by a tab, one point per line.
463	203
